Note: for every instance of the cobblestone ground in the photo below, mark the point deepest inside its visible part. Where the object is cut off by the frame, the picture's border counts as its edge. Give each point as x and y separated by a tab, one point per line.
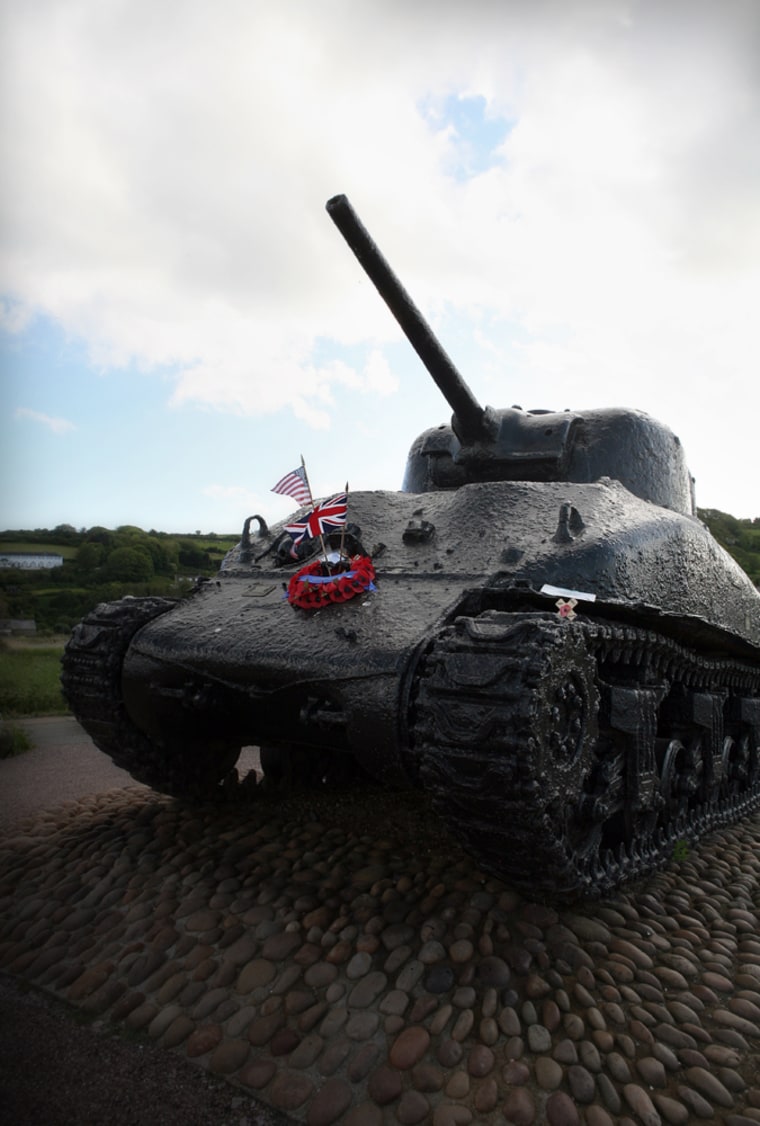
344	961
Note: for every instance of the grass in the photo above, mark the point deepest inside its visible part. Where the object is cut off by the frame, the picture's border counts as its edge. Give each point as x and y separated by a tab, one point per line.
13	740
30	677
66	550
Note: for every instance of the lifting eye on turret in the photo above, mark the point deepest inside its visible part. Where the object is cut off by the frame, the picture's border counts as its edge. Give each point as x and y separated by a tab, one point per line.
418	531
245	539
263	530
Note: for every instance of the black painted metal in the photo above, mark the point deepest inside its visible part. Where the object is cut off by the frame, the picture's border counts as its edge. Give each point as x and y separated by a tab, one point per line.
570	755
468	412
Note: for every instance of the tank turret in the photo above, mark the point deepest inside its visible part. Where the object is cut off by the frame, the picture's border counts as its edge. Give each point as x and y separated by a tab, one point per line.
509	444
536	629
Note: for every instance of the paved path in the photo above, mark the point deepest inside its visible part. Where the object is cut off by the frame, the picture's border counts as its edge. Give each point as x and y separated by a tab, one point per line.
63	765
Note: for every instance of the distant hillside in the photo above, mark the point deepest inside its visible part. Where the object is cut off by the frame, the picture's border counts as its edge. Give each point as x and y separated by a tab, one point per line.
741	538
101	564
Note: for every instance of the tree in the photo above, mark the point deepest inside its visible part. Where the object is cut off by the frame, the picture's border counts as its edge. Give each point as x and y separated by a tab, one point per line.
90	556
129	565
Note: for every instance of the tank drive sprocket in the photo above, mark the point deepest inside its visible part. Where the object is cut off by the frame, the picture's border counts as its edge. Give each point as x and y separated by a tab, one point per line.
570	756
91	681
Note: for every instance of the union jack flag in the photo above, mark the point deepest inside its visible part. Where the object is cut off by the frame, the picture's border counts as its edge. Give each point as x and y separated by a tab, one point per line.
327	516
294	484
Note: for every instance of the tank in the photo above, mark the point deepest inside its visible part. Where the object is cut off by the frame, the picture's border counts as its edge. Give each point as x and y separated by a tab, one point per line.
546	639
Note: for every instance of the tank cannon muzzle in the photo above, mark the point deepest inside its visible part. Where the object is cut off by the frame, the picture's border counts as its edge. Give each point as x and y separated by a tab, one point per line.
471	422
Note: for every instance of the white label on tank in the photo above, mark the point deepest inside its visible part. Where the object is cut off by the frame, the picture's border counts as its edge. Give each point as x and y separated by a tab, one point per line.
563	592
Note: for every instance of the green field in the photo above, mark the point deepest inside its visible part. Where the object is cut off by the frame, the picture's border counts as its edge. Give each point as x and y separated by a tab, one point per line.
66	550
30	678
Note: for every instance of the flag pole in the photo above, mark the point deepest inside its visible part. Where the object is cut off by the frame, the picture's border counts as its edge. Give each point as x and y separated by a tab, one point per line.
306	479
343	528
311	496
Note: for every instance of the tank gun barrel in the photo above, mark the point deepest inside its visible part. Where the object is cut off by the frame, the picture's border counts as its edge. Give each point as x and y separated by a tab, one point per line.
469	416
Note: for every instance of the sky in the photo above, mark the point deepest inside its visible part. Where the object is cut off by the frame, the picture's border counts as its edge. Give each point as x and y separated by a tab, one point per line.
569	189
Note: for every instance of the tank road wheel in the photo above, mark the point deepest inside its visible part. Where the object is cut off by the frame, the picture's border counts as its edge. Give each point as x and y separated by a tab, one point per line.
506	723
680	780
91	681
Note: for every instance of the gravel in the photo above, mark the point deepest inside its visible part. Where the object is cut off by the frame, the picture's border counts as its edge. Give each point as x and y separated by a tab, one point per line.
60	1071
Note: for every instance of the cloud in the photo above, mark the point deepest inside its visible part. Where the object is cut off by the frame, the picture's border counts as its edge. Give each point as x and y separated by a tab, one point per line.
57	425
177	221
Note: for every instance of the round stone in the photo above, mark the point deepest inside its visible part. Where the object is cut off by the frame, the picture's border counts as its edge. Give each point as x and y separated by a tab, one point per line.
320	974
539	1038
709	1085
261	1030
384	1085
519	1107
359	965
412	1108
480	1061
581	1083
439	979
641	1104
652	1071
409	1047
463	1025
427	1077
673	1112
178	1031
458	1086
486	1096
229	1056
461	951
363	1062
410	975
509	1021
366	990
362	1025
203	1040
516	1073
255	974
548	1073
609	1093
598	1116
449	1053
561	1110
258	1073
493	971
278	946
451	1114
329	1103
488	1031
431	952
305	1053
334	1056
202	920
364	1114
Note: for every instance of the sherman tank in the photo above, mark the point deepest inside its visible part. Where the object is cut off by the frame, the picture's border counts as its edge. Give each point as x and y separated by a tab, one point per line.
544	637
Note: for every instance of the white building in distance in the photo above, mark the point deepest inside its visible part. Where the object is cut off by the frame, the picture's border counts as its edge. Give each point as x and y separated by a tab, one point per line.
30	560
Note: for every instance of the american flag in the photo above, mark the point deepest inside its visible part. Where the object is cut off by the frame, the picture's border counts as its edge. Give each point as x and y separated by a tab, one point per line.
294	484
327	516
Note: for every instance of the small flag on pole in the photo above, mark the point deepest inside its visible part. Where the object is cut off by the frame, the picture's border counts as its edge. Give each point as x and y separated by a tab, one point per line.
295	484
327	516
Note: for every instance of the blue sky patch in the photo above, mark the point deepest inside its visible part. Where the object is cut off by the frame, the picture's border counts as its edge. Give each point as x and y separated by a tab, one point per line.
476	135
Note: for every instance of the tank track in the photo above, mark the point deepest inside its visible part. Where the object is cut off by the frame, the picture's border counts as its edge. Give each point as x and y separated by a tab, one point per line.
570	757
91	682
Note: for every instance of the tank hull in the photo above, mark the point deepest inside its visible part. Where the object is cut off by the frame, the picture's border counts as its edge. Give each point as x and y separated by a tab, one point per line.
237	657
